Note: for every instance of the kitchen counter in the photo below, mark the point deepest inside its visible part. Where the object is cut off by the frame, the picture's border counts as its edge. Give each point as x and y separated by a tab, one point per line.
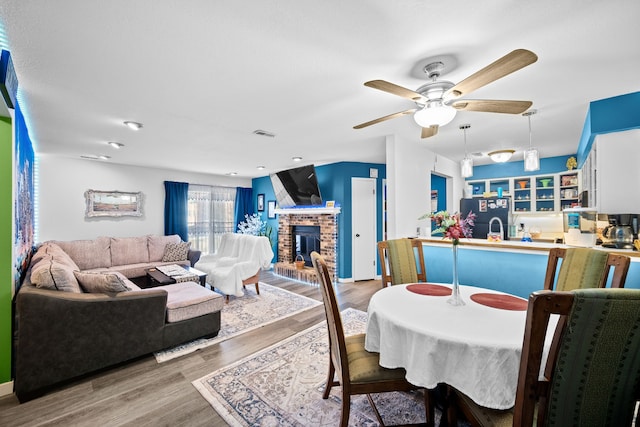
509	266
543	246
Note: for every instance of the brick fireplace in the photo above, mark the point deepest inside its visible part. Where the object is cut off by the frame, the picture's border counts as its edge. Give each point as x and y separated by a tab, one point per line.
328	223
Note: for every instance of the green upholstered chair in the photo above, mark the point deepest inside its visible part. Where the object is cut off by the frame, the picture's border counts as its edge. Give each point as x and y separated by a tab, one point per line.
358	371
584	268
592	374
401	261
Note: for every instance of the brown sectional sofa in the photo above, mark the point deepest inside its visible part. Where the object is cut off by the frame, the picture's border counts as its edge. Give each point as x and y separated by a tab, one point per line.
69	323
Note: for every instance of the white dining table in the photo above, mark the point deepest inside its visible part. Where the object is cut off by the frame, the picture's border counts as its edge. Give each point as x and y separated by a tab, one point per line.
475	348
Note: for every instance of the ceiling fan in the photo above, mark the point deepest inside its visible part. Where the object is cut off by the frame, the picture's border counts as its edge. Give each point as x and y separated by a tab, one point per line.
438	101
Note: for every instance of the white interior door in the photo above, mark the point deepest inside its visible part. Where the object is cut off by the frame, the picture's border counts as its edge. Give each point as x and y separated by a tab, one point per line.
363	227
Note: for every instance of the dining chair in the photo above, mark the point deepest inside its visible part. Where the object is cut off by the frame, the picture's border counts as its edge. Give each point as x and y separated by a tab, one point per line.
584	268
358	370
592	370
401	261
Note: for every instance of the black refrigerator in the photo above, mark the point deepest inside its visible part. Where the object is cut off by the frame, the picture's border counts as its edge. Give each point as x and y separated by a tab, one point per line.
487	208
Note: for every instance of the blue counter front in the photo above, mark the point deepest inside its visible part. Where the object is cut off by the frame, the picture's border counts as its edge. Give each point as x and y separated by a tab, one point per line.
515	268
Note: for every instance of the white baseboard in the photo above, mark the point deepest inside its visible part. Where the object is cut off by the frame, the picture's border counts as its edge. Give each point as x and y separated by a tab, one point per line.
6	388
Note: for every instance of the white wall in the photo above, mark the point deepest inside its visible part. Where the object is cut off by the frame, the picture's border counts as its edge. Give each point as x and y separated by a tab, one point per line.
61	202
409	168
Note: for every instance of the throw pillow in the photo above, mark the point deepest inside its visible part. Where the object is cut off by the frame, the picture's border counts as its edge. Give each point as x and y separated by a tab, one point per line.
100	282
176	252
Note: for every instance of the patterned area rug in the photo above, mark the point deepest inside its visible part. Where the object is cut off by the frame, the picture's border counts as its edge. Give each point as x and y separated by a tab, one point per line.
282	385
247	313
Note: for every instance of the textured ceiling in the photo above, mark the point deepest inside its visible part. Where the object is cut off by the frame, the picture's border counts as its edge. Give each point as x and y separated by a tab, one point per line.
203	75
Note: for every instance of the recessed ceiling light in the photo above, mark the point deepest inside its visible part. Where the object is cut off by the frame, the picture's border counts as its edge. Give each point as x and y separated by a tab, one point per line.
232	173
104	157
116	145
264	133
261	168
133	125
296	159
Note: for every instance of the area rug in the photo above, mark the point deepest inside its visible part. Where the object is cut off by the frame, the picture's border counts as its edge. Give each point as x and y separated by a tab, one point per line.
282	385
246	313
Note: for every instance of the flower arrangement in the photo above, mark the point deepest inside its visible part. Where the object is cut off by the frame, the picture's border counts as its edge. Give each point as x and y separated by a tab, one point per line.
255	226
572	163
453	226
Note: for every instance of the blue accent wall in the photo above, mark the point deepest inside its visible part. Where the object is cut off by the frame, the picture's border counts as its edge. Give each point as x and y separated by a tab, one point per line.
548	165
516	273
334	181
615	114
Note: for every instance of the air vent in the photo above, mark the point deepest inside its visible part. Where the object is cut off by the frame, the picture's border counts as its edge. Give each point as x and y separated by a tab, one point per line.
264	133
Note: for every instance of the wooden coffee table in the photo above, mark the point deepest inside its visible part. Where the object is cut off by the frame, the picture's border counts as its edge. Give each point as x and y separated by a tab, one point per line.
156	277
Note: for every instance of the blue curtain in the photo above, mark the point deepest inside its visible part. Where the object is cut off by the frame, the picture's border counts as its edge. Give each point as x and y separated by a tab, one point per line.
175	209
244	204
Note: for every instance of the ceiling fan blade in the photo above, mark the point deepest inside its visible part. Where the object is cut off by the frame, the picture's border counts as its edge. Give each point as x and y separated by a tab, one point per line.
430	131
504	66
396	90
492	106
382	119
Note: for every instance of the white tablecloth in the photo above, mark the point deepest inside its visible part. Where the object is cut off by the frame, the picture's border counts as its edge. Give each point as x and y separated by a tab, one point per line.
474	348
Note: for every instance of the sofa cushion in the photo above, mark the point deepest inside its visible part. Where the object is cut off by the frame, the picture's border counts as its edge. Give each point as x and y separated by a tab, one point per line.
88	254
101	282
129	250
51	274
157	246
188	300
176	252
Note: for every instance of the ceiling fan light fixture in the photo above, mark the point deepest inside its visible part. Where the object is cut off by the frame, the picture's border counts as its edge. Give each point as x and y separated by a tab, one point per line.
434	113
501	156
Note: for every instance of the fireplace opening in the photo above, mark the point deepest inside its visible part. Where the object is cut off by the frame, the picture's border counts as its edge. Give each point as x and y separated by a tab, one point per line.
306	239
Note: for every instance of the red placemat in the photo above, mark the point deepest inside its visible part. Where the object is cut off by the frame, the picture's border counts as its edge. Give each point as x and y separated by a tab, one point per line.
504	302
429	289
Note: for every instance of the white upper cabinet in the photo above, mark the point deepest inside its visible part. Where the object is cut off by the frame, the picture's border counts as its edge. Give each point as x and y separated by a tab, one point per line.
617	165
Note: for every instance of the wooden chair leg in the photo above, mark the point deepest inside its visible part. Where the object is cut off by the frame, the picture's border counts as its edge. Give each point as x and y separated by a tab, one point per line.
346	407
330	382
257	289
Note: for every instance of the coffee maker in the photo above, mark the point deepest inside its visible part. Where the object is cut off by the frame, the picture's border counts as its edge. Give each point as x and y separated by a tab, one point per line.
621	231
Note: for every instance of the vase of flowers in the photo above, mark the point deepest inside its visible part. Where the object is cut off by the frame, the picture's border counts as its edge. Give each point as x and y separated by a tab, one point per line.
453	227
255	226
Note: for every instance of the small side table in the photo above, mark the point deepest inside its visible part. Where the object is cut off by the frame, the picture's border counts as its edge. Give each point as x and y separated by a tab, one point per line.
202	276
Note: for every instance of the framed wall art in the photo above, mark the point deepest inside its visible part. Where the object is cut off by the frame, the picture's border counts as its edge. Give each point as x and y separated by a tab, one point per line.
112	203
271	209
260	202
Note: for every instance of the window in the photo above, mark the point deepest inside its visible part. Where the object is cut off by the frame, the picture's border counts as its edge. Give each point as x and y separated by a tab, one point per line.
211	214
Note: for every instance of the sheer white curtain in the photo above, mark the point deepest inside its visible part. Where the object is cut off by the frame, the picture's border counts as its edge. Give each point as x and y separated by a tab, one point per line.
211	214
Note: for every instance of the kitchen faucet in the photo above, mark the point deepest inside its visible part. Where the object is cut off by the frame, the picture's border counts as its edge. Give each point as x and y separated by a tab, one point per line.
495	218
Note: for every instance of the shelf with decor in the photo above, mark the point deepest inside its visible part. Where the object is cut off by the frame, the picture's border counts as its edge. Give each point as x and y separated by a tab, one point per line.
545	193
569	190
522	195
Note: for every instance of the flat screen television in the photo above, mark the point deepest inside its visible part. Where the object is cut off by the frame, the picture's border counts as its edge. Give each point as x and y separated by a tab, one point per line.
296	187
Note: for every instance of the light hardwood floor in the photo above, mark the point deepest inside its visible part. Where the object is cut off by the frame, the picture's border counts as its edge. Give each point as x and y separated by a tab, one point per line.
145	393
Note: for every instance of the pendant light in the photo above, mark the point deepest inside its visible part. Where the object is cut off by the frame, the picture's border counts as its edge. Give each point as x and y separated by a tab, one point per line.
466	165
531	156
